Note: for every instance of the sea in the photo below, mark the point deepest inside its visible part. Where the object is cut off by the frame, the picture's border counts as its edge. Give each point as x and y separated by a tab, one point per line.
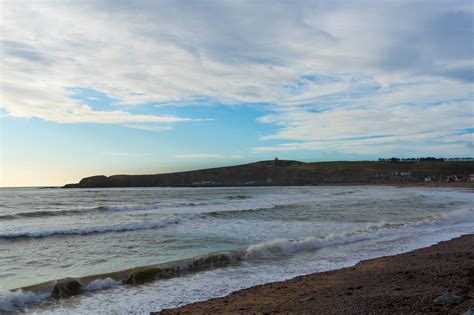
137	250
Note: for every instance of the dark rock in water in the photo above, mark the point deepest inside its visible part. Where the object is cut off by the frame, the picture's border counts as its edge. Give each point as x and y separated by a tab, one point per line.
66	287
448	298
143	276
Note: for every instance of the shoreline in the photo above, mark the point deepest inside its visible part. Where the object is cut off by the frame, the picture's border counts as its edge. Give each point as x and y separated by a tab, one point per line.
462	185
436	280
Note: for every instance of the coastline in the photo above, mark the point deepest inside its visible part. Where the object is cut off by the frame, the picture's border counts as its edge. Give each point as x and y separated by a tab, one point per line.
459	185
456	185
465	185
414	282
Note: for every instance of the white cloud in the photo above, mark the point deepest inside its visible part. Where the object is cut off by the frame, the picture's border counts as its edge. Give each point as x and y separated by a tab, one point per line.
340	123
443	143
327	70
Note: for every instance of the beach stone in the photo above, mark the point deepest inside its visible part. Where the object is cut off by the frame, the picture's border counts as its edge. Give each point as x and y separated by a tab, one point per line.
306	299
447	298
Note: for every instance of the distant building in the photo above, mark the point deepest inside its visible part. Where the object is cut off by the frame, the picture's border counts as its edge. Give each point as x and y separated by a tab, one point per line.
275	162
425	159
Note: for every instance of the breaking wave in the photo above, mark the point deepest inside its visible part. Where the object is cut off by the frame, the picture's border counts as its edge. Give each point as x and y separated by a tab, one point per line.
171	220
48	213
457	216
101	284
12	301
280	247
66	212
19	299
238	197
232	213
152	207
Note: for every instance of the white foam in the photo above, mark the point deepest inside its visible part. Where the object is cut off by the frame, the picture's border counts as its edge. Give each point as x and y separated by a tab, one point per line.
456	216
101	284
13	301
286	247
280	246
18	300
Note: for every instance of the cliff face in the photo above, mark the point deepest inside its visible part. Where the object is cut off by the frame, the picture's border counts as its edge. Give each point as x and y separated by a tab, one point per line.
284	172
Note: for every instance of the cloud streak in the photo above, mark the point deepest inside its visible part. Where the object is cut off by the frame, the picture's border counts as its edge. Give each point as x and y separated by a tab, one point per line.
208	156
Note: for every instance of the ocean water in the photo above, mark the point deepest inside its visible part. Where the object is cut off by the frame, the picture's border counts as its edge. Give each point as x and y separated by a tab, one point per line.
135	250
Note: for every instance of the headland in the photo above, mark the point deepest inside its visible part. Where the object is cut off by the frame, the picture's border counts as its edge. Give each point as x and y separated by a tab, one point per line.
430	172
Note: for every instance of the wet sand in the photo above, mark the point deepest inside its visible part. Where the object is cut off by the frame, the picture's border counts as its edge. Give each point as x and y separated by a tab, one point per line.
434	280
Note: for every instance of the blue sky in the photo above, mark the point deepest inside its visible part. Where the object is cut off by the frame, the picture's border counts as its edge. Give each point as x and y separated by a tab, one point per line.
108	87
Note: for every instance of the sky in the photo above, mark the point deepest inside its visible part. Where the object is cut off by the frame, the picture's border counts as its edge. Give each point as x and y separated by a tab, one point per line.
143	87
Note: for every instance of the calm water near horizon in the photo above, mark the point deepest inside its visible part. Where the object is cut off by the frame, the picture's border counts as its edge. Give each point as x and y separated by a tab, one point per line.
238	237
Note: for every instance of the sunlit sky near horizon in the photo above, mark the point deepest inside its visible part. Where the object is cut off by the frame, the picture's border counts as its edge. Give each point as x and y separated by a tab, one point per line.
134	87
